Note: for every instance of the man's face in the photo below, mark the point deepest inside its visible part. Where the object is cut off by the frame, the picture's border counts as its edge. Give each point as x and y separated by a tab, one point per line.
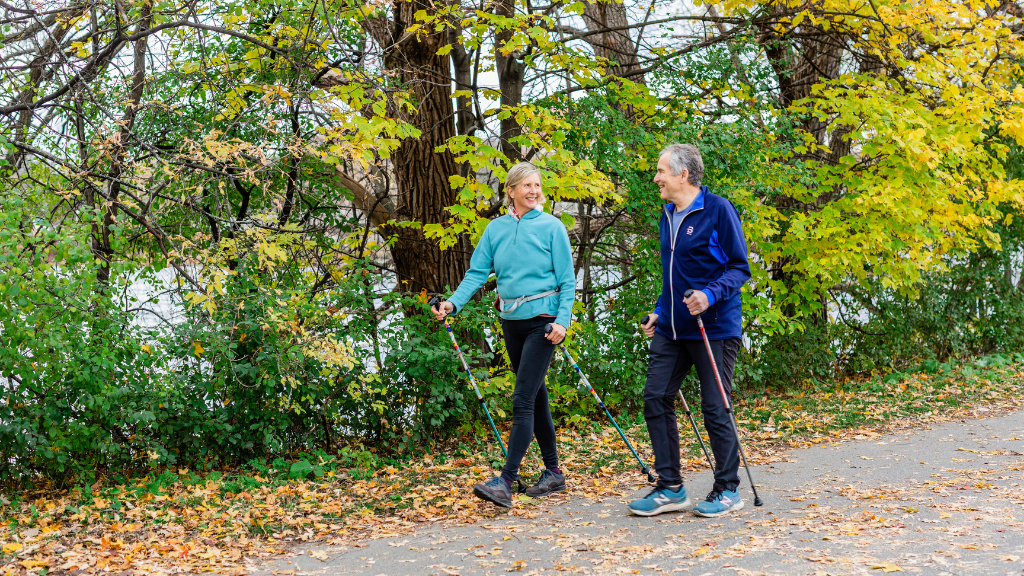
669	185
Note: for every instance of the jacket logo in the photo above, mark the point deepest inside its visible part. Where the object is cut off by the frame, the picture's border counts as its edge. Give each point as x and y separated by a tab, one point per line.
689	230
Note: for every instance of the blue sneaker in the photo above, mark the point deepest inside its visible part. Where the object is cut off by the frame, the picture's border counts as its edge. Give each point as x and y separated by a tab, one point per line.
719	503
660	500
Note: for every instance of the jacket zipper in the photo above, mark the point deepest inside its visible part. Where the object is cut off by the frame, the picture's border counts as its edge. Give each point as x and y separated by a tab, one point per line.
671	264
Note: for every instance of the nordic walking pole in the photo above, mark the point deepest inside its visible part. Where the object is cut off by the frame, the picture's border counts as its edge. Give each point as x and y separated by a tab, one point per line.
583	378
689	414
728	405
433	304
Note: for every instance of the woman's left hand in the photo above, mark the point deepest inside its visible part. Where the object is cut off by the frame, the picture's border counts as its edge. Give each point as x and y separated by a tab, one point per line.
557	333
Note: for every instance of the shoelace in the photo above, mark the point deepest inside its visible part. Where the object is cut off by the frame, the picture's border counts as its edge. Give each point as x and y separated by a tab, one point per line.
654	491
713	496
495	481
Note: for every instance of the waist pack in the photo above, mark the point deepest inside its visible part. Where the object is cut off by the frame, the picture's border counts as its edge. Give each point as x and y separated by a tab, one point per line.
500	302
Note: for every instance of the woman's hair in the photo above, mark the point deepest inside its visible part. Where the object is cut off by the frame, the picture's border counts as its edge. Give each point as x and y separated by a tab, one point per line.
517	174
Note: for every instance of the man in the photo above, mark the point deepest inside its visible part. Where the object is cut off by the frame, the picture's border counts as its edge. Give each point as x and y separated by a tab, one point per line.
703	249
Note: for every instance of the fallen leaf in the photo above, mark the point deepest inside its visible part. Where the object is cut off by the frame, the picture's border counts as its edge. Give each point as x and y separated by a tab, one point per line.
319	555
1010	557
887	567
517	566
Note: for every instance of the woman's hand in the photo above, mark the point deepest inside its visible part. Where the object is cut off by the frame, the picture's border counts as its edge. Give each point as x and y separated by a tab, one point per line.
557	333
443	309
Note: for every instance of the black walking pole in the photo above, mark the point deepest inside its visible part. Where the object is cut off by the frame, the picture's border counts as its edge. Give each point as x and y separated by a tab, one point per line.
433	304
728	405
689	414
583	378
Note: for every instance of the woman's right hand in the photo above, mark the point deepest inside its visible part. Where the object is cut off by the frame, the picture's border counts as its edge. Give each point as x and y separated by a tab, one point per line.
443	309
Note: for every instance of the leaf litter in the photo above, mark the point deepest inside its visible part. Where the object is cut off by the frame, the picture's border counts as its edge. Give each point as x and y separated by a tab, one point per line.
193	524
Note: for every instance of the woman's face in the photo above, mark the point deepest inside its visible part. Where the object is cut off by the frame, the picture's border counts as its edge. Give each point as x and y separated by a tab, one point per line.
527	194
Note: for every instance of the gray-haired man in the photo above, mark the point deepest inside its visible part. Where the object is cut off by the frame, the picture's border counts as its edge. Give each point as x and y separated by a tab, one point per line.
702	249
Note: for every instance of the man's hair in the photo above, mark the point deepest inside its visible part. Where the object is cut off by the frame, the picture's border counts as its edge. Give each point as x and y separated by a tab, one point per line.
517	174
685	156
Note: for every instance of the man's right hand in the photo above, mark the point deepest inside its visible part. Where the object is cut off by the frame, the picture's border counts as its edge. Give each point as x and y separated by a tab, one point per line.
443	309
652	321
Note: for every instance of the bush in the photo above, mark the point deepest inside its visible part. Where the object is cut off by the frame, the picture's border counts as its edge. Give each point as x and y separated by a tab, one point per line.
79	389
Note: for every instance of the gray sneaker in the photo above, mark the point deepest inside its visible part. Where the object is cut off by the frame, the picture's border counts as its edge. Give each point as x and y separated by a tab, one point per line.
494	490
547	483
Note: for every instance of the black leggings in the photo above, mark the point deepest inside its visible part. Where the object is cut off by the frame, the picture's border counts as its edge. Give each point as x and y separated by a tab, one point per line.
530	353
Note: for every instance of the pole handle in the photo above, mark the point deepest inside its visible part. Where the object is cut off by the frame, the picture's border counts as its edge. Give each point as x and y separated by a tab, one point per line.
687	294
548	329
434	302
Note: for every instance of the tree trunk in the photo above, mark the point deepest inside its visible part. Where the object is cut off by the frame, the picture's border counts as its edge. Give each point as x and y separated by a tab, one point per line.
511	79
421	174
102	245
604	17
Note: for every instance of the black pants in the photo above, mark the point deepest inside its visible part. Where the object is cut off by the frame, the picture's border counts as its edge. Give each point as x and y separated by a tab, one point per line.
530	353
670	362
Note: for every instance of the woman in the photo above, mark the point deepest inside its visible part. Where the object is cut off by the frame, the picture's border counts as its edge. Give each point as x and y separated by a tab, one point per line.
530	254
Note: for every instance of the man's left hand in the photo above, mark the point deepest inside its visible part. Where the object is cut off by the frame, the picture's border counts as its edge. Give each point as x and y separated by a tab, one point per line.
697	302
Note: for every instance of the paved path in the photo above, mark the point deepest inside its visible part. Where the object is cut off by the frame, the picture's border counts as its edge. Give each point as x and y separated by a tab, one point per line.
943	500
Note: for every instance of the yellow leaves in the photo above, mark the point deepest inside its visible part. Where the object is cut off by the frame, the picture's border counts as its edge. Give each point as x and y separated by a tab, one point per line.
12	547
197	349
334	355
923	177
886	567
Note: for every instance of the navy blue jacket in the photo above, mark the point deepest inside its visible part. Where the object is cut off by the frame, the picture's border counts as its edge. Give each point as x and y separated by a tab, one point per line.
707	252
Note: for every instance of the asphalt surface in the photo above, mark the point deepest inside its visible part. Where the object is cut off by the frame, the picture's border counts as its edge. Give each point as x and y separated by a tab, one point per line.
943	500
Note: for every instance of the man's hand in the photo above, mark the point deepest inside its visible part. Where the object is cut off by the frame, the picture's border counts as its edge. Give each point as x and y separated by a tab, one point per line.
557	333
443	309
697	302
649	327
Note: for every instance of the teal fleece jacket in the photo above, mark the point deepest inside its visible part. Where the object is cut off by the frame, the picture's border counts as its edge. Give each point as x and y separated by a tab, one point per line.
529	256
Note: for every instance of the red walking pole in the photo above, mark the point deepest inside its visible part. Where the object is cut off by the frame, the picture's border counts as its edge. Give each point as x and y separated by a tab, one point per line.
728	405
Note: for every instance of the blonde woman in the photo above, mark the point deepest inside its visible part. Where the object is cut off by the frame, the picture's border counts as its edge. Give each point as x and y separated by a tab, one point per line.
530	254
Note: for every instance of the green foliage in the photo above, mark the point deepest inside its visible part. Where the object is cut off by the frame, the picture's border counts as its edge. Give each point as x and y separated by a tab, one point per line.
79	393
882	210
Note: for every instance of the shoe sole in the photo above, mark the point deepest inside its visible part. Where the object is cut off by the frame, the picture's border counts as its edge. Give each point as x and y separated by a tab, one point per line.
485	496
662	509
736	508
552	491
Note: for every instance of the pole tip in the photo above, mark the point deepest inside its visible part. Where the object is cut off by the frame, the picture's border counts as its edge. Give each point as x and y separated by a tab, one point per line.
758	501
650	475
